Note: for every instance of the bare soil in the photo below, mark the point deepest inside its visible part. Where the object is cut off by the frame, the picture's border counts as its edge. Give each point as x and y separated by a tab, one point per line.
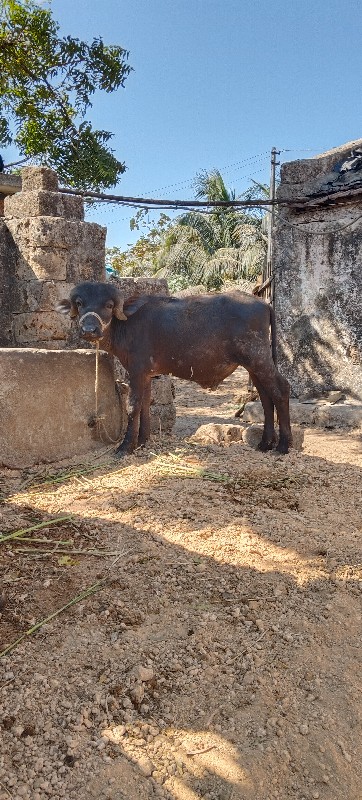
219	655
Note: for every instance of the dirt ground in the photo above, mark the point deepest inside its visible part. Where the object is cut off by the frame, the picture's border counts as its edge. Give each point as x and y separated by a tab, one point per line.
214	648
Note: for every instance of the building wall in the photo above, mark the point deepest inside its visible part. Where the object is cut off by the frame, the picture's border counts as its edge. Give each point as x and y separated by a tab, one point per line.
318	279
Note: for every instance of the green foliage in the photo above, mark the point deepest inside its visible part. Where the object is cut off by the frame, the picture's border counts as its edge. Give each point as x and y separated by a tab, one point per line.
141	258
213	249
47	85
216	248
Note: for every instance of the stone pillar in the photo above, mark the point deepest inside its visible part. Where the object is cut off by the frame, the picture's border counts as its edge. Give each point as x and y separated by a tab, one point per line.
318	276
51	249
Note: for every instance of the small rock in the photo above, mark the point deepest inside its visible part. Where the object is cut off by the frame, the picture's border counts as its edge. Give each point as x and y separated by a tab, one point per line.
303	729
137	693
214	433
334	397
144	673
145	766
18	730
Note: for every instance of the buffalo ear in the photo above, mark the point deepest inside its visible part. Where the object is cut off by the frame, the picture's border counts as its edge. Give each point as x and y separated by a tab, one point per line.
67	307
133	304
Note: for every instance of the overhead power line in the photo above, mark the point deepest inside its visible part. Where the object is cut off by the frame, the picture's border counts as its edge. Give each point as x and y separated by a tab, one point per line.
146	202
336	198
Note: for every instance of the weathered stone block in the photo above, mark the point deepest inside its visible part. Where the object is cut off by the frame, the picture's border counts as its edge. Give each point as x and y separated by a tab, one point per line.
162	390
163	418
341	415
54	248
43	263
47	402
87	255
338	416
35	178
38	295
136	286
46	232
44	204
47	326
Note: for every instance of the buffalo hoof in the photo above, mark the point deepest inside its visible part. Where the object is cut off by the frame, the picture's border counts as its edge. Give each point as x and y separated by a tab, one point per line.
121	452
142	442
265	446
283	447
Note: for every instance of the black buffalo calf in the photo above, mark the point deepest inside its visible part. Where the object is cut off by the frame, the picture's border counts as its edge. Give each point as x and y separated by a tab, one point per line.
202	338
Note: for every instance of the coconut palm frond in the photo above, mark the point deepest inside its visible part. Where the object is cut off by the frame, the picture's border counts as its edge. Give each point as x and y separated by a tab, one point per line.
256	191
203	225
221	267
211	186
251	261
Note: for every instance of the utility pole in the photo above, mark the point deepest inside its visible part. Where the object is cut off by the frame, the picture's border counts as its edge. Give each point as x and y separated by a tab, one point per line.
266	290
269	277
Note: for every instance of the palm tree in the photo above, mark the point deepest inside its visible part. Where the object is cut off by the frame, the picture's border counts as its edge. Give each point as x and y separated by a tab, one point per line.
213	248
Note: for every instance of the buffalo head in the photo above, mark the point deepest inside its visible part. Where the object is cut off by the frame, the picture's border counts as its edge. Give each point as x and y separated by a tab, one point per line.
95	304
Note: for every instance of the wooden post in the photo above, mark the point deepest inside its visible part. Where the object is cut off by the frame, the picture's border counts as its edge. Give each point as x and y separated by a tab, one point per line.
269	277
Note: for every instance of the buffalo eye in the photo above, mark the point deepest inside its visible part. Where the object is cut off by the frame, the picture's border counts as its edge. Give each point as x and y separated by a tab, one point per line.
79	303
110	305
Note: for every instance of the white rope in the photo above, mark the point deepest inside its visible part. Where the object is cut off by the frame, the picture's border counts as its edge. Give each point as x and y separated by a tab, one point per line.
104	325
99	418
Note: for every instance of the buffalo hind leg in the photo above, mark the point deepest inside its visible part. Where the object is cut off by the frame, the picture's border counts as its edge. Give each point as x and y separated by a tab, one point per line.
268	439
277	389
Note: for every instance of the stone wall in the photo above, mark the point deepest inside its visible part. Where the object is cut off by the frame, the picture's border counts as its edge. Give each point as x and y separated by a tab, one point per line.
45	248
318	277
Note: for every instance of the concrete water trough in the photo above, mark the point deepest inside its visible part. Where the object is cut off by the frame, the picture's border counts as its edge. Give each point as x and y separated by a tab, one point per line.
47	403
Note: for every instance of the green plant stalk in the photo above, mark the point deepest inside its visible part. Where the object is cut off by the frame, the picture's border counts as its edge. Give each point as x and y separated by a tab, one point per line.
18	534
62	551
82	596
63	542
65	476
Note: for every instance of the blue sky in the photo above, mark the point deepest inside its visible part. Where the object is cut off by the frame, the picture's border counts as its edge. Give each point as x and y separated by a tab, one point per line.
218	83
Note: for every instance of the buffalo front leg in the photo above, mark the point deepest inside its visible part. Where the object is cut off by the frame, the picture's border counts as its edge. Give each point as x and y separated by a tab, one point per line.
145	424
130	441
